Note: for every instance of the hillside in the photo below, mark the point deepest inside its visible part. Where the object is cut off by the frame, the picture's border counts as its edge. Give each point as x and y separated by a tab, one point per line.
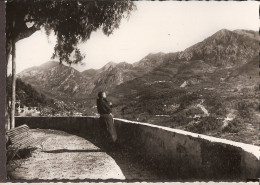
67	84
29	97
26	94
55	80
224	48
210	87
207	92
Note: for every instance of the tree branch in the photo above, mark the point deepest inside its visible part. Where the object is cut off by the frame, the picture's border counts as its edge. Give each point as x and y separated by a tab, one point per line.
27	33
29	20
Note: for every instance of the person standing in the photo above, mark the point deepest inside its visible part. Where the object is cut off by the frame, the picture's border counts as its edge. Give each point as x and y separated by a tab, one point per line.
106	120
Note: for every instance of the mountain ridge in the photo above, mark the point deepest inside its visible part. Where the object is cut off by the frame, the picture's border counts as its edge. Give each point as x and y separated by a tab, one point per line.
196	89
224	49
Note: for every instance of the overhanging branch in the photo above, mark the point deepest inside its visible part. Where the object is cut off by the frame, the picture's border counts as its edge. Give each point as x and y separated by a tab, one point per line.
27	33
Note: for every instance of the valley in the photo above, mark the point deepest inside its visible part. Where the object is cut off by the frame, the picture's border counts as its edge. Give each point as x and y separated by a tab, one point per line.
210	88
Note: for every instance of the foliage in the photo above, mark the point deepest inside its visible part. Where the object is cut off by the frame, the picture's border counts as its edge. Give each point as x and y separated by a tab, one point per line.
186	99
245	108
180	119
72	21
204	125
27	95
215	104
235	126
193	111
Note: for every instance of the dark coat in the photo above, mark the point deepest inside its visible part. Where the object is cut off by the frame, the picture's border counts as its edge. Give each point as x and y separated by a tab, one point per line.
103	106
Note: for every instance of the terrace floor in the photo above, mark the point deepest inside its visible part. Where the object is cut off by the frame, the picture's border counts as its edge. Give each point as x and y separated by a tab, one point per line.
71	157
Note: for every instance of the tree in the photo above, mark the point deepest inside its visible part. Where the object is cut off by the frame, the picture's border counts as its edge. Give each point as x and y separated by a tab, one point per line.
72	21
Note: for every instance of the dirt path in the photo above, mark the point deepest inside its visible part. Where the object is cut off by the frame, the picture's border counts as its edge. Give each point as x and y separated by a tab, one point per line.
67	156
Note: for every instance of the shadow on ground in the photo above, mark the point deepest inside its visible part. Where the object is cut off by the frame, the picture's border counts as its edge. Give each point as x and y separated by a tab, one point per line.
132	164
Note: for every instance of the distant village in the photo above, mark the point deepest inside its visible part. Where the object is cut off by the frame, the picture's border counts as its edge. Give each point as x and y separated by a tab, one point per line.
22	110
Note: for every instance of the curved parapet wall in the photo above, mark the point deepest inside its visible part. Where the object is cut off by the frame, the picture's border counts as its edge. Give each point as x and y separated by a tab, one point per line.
177	153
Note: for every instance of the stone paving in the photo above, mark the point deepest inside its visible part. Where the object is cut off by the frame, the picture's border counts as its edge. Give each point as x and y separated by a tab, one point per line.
71	157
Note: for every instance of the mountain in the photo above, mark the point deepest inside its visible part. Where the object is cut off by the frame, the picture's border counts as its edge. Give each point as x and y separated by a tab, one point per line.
89	73
56	80
210	87
113	74
67	84
26	94
110	75
224	48
200	88
29	97
149	62
206	61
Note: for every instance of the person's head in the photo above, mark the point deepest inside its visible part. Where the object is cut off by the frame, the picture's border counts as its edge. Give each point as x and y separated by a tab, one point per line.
102	94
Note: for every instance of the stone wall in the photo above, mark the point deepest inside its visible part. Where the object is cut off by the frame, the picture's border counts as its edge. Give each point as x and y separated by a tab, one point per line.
179	154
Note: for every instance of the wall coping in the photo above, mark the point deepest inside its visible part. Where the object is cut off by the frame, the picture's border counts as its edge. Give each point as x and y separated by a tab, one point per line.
253	149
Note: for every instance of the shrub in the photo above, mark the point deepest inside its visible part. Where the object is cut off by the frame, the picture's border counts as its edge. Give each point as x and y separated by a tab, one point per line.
180	119
204	125
246	108
234	126
193	111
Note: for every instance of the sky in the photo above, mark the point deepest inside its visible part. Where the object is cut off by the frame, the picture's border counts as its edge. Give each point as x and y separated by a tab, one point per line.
166	26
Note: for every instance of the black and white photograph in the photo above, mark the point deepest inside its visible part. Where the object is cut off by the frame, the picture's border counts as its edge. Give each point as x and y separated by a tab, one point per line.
132	91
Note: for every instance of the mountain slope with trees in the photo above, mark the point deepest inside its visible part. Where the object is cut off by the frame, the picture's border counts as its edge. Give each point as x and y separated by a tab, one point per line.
200	90
66	83
27	95
210	88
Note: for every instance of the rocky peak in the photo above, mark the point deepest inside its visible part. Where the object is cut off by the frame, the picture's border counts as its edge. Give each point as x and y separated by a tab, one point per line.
224	48
109	65
124	65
